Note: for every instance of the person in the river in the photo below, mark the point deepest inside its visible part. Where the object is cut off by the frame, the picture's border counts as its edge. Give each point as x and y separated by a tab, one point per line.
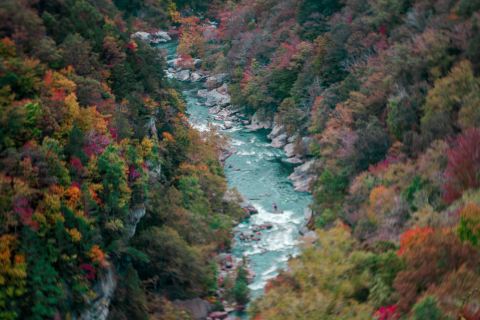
275	208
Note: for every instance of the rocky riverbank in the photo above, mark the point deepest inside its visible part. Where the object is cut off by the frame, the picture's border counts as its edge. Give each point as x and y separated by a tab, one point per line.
214	95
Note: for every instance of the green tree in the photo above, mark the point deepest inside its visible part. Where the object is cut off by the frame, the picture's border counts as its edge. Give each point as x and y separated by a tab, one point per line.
455	95
427	308
240	289
129	301
45	292
175	267
372	143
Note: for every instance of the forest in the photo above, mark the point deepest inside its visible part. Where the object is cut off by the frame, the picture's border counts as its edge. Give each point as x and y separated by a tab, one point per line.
101	172
93	139
384	96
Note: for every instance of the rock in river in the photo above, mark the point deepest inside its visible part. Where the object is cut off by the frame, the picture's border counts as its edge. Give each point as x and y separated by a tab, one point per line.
259	122
183	75
217	97
250	209
154	37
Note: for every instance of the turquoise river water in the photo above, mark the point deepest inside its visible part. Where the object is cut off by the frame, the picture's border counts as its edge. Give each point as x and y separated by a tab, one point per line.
258	171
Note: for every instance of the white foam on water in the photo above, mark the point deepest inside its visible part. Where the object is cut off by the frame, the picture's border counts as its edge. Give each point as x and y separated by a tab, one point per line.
234	129
246	153
200	127
264	145
257	285
264	216
255	249
281	240
236	142
269	271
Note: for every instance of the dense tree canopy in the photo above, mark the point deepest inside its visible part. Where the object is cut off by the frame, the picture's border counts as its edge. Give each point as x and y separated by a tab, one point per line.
93	138
386	95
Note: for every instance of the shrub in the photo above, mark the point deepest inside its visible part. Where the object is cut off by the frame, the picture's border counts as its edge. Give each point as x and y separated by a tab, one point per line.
469	227
463	169
427	308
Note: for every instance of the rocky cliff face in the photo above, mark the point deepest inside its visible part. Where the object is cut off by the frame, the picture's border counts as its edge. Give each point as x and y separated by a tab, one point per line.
303	176
107	283
104	289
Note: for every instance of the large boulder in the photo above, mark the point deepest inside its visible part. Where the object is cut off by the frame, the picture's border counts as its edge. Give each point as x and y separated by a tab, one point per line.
277	130
202	93
289	150
214	81
183	75
226	113
160	37
195	76
217	97
141	35
249	208
279	141
259	122
154	38
215	110
196	307
303	176
227	125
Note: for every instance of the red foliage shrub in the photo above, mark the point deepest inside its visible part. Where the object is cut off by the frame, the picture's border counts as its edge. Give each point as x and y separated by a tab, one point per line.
95	144
76	164
412	237
284	56
133	174
132	46
89	270
387	313
383	165
463	169
22	207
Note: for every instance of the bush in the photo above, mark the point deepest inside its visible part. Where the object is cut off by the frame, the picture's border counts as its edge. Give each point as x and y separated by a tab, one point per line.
240	289
457	92
372	143
427	308
463	169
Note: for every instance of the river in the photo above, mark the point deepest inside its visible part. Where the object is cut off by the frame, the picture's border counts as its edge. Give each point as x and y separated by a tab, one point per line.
258	171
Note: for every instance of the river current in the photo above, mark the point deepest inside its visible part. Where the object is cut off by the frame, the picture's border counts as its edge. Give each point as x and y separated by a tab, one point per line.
259	172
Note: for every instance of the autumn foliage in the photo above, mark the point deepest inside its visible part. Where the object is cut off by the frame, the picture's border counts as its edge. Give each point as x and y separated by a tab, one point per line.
383	96
462	172
92	139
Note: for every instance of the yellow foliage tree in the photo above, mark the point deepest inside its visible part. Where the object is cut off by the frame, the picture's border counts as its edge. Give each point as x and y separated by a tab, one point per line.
319	284
13	276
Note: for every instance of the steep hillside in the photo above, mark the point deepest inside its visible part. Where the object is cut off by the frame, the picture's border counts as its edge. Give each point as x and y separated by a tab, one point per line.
103	184
383	96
